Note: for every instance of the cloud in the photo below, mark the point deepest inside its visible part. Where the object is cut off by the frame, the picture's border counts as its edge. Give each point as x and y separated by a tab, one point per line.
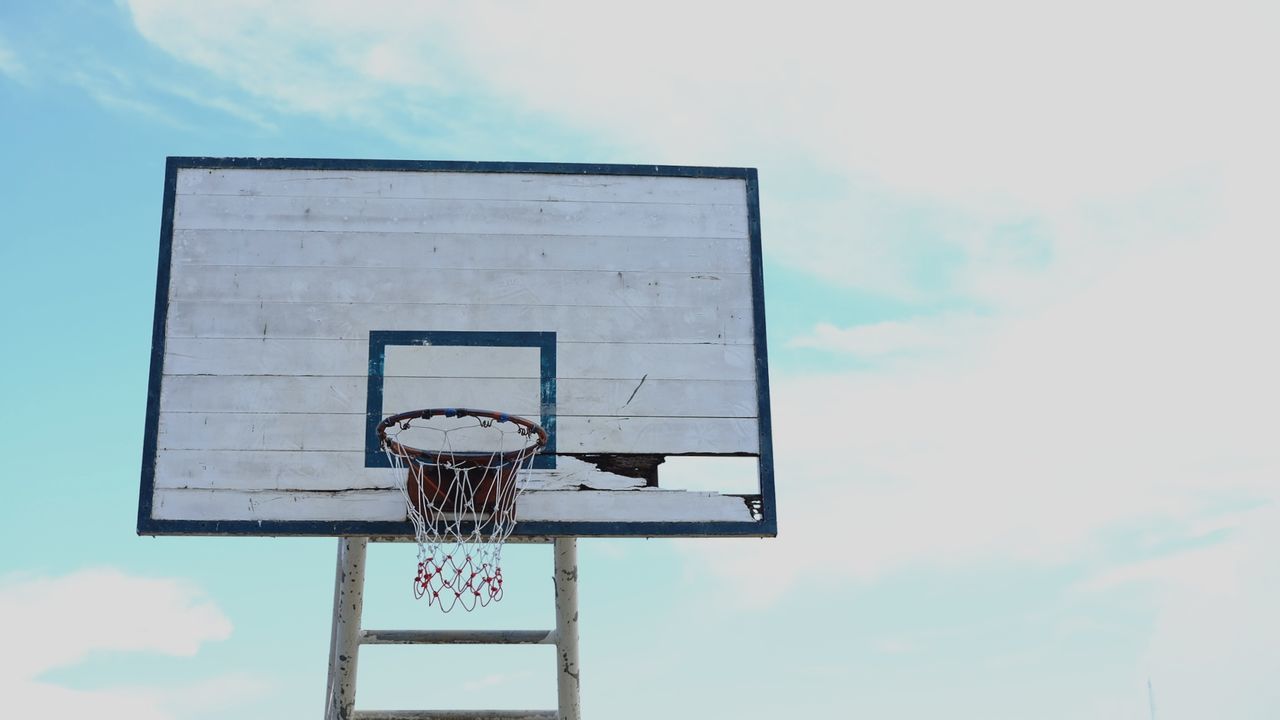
924	97
103	609
201	699
1214	643
909	149
895	338
1215	648
58	622
1141	401
10	64
115	90
205	99
329	59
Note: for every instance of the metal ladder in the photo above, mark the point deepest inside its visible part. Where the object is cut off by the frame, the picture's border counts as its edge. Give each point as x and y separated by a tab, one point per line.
347	637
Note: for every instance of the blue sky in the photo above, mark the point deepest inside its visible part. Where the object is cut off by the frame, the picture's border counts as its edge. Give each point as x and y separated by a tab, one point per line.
1019	267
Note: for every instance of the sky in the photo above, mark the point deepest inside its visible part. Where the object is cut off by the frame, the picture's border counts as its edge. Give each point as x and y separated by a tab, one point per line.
1019	265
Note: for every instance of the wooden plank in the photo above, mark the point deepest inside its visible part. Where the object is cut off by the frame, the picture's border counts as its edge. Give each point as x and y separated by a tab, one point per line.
305	356
693	324
270	432
366	505
329	471
589	397
268	470
264	356
460	216
442	185
454	361
649	505
577	361
629	397
262	394
657	435
517	396
293	248
322	433
477	287
656	361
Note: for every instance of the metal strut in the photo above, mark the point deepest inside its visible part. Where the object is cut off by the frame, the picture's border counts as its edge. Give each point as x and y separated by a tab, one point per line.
347	636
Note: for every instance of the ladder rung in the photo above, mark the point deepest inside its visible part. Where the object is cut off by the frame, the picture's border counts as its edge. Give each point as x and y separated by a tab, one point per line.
458	637
455	715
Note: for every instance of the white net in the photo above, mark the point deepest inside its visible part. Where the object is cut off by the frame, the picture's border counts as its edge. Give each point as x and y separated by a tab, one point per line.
463	471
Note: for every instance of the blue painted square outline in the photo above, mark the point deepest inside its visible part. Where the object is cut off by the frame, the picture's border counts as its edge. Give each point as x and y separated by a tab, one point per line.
380	339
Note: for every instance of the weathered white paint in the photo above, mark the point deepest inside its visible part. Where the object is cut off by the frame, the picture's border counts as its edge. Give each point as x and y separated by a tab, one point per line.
446	185
461	362
307	248
258	320
668	435
480	287
587	397
307	471
568	672
278	277
461	216
344	640
307	356
455	715
177	504
458	637
253	432
648	505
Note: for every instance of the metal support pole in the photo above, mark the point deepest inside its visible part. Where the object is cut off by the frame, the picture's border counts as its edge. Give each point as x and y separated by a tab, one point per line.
566	580
344	649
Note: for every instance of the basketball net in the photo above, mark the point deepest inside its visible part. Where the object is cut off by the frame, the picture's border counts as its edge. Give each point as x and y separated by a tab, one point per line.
461	502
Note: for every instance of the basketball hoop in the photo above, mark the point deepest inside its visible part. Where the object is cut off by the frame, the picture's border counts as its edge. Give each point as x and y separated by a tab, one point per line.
464	470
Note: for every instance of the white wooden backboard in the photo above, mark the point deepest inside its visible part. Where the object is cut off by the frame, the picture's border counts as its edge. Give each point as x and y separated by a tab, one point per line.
301	301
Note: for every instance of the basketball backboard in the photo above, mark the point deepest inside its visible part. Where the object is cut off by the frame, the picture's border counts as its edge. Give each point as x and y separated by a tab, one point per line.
300	302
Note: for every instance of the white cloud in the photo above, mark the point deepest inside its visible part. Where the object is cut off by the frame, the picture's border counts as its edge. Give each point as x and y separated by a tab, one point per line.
10	64
221	103
333	59
994	102
1214	643
103	609
1143	399
861	116
1215	648
57	622
202	699
896	338
115	90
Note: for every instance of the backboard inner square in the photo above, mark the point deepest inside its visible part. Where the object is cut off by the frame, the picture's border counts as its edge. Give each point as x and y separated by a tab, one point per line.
504	379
